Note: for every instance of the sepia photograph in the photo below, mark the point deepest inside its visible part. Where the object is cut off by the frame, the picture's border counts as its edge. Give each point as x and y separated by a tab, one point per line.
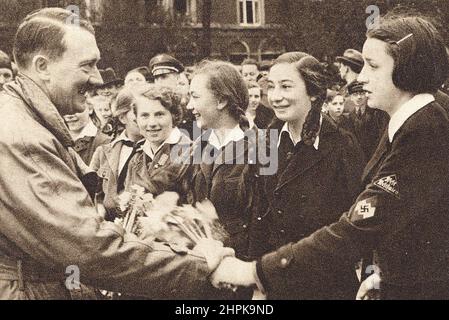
224	154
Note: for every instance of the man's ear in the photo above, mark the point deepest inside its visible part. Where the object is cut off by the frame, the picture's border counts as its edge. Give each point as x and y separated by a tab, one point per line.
40	66
221	105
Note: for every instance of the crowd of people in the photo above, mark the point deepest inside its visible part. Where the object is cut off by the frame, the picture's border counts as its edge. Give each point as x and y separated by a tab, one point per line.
360	148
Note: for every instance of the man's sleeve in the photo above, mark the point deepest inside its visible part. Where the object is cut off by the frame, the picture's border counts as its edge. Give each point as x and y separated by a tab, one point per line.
414	176
47	213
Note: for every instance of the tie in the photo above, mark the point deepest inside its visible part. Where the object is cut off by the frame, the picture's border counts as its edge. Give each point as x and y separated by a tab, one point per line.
122	176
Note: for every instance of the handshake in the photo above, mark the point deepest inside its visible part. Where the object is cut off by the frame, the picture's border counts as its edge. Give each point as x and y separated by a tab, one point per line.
227	271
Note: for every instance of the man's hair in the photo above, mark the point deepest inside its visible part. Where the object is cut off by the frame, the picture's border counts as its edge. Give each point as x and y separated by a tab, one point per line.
43	32
250	61
420	59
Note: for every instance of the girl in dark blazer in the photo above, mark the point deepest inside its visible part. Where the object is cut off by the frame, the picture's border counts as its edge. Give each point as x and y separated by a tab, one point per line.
403	212
217	165
319	173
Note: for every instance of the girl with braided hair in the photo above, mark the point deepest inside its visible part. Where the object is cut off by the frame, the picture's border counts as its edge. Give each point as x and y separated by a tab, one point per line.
319	171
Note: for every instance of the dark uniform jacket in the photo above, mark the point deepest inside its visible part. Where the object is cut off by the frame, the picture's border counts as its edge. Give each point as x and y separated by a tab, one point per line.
368	128
228	182
307	193
403	214
49	223
142	168
264	117
443	100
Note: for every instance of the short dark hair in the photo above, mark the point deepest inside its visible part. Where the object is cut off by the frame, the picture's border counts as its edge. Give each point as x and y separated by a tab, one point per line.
168	98
331	94
421	64
43	31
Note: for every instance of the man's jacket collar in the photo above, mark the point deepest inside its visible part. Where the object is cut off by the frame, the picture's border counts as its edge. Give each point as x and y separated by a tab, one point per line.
40	105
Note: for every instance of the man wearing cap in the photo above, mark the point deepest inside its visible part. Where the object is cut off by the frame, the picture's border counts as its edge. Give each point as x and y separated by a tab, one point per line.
367	124
165	70
6	71
111	83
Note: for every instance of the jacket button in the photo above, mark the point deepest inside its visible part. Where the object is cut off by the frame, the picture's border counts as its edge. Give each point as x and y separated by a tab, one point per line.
282	231
245	226
259	218
280	212
284	262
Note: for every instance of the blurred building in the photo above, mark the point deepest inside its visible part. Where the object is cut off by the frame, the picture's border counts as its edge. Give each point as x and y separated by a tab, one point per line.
130	32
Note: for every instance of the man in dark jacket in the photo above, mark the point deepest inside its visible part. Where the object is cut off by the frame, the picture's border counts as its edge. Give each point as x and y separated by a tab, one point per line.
367	124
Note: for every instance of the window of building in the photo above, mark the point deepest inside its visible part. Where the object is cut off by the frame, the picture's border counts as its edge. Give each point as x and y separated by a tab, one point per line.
250	12
181	7
238	51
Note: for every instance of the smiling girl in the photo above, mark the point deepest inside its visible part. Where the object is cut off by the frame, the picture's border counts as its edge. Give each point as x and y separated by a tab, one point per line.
403	211
319	172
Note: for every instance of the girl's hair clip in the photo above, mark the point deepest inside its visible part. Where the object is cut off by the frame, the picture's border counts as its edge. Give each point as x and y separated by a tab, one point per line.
403	39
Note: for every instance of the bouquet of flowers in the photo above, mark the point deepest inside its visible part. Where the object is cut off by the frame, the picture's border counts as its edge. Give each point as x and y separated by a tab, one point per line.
162	219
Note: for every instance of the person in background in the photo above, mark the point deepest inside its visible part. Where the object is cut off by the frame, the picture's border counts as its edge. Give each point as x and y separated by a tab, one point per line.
262	80
257	114
111	84
264	69
335	103
165	70
111	161
188	124
137	76
365	123
102	113
6	70
349	67
250	70
85	133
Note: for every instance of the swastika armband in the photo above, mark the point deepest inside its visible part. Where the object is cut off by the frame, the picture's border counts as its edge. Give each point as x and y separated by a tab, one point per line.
364	209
